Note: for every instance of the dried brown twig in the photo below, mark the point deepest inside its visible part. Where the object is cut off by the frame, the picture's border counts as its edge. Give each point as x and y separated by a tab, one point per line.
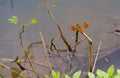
90	51
59	27
20	35
26	54
98	50
21	61
12	70
46	52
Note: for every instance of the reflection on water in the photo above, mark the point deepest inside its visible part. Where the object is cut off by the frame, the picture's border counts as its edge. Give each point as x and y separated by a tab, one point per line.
98	12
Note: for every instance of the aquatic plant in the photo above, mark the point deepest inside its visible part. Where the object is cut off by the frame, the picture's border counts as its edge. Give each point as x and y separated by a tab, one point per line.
110	73
74	28
14	20
99	74
78	29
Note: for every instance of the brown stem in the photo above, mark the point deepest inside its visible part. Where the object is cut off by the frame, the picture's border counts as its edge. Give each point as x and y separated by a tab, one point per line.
52	45
21	75
58	26
76	40
46	51
30	62
20	35
90	51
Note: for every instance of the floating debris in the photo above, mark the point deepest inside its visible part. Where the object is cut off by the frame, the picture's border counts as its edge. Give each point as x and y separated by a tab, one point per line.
106	60
117	31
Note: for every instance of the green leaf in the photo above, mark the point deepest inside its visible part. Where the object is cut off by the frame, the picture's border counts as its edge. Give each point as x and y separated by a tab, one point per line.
1	75
91	75
34	21
64	75
116	76
18	61
67	76
13	20
98	77
53	6
110	70
46	76
118	72
25	51
101	73
55	74
77	74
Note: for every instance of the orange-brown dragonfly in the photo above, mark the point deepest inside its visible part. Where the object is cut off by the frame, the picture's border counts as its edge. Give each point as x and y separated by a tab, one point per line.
79	27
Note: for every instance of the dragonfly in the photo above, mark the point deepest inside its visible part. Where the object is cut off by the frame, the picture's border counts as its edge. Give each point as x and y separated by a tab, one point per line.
79	27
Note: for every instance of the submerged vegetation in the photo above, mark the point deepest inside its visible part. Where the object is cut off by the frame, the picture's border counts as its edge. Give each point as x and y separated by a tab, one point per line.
70	51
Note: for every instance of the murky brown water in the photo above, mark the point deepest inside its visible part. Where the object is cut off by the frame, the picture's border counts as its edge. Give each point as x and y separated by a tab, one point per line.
103	15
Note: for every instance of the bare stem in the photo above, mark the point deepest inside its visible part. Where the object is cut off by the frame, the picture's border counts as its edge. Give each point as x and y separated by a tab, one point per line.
21	61
90	51
76	40
46	52
30	46
26	53
12	70
20	35
30	62
58	26
98	50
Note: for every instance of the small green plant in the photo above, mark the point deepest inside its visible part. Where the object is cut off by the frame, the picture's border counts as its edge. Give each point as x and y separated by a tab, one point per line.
91	75
103	74
118	74
13	20
34	21
99	74
77	74
78	28
53	5
55	74
108	74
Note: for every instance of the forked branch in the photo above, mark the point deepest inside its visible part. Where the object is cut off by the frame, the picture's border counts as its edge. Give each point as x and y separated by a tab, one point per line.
58	26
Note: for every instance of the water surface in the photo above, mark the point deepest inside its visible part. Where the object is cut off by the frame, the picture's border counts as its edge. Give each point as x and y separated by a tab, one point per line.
100	14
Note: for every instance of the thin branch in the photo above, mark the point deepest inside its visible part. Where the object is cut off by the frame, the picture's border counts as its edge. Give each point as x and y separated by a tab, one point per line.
46	52
21	61
90	51
26	53
58	26
30	62
20	35
80	41
76	40
12	70
98	50
18	63
30	46
52	45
